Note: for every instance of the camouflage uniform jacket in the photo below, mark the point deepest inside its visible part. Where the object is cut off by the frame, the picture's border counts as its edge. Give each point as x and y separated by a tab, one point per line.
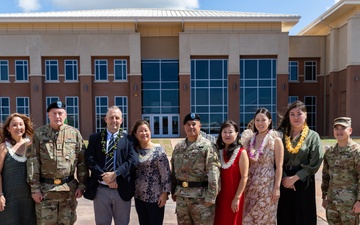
341	173
198	162
56	156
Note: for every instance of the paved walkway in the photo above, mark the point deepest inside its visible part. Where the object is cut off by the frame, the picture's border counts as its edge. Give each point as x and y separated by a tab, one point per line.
86	214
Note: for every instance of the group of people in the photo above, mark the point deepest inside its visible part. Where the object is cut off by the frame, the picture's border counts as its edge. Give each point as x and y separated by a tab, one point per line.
266	176
259	176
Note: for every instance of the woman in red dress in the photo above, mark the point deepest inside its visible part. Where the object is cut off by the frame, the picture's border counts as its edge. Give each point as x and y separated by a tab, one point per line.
234	174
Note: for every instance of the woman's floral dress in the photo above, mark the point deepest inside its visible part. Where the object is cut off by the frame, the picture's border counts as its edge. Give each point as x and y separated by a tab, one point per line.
258	208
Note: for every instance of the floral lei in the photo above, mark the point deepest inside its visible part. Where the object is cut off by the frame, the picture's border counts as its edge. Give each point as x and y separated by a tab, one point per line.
288	144
253	153
226	165
103	142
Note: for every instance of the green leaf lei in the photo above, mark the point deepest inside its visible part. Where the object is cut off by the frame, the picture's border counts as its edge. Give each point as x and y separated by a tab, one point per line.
103	142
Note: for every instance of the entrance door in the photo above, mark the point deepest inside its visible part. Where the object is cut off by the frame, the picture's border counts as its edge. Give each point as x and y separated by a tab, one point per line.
163	125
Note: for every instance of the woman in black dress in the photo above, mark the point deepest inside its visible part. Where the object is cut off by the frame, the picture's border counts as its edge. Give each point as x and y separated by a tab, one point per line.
16	204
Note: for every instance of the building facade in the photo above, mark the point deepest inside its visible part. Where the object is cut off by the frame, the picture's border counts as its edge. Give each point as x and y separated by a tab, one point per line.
160	65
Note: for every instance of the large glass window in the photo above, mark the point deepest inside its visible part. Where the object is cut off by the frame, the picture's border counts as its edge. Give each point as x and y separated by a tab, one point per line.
51	70
71	70
21	70
310	70
292	99
101	70
257	88
72	111
4	70
160	86
293	70
209	96
121	102
310	103
120	69
101	106
4	108
22	105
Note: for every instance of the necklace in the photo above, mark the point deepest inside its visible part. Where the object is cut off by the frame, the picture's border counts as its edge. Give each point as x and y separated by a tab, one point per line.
19	158
226	165
255	153
110	152
288	144
149	154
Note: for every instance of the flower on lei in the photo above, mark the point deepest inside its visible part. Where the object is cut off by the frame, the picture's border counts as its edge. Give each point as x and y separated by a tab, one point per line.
103	142
255	153
288	144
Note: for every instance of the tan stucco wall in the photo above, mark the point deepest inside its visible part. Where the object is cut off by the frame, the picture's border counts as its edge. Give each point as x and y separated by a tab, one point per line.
233	46
37	46
159	48
305	46
354	40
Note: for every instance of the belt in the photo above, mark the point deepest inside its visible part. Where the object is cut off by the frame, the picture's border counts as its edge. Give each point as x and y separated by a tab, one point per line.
292	167
56	181
187	184
103	185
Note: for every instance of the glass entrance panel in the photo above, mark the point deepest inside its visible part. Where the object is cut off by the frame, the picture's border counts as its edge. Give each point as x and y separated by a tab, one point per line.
156	124
175	125
165	125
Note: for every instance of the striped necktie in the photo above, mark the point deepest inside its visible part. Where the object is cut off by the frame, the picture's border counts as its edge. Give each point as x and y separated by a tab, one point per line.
109	162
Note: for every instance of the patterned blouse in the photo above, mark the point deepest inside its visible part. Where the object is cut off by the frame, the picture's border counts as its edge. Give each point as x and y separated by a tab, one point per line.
153	175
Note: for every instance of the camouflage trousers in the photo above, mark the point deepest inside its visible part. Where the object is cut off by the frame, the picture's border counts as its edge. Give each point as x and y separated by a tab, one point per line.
192	211
57	207
337	214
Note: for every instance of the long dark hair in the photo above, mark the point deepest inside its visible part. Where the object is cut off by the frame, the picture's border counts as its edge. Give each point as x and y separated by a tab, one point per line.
29	131
267	114
220	143
285	125
134	129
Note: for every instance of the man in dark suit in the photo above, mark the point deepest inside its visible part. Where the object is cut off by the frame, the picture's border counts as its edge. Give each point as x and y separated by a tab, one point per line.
111	158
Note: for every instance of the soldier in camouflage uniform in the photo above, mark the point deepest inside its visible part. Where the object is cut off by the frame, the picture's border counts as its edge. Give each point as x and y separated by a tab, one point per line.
195	176
340	177
57	151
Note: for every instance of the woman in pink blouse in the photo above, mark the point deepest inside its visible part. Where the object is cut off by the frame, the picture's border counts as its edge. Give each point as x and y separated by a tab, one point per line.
153	177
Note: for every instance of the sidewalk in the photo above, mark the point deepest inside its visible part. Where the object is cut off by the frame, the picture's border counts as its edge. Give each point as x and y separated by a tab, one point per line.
85	210
86	214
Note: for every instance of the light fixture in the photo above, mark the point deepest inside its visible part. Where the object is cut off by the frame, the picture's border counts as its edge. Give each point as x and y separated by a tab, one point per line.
185	87
35	87
135	87
86	87
283	87
234	86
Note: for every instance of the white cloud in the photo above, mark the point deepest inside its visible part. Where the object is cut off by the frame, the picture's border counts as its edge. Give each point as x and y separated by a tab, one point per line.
29	5
113	4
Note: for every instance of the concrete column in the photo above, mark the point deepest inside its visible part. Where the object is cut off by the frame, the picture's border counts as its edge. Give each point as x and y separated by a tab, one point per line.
86	98
36	79
184	78
134	78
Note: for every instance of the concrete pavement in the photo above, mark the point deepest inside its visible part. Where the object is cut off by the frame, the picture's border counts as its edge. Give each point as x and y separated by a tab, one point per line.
85	210
86	214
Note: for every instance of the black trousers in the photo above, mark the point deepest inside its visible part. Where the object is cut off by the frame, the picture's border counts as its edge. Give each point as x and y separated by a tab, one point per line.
149	213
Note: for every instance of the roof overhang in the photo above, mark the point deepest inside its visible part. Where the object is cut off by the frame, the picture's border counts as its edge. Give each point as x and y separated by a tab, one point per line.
151	15
334	17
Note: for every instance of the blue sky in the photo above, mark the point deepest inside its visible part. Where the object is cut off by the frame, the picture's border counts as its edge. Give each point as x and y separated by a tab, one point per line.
309	10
